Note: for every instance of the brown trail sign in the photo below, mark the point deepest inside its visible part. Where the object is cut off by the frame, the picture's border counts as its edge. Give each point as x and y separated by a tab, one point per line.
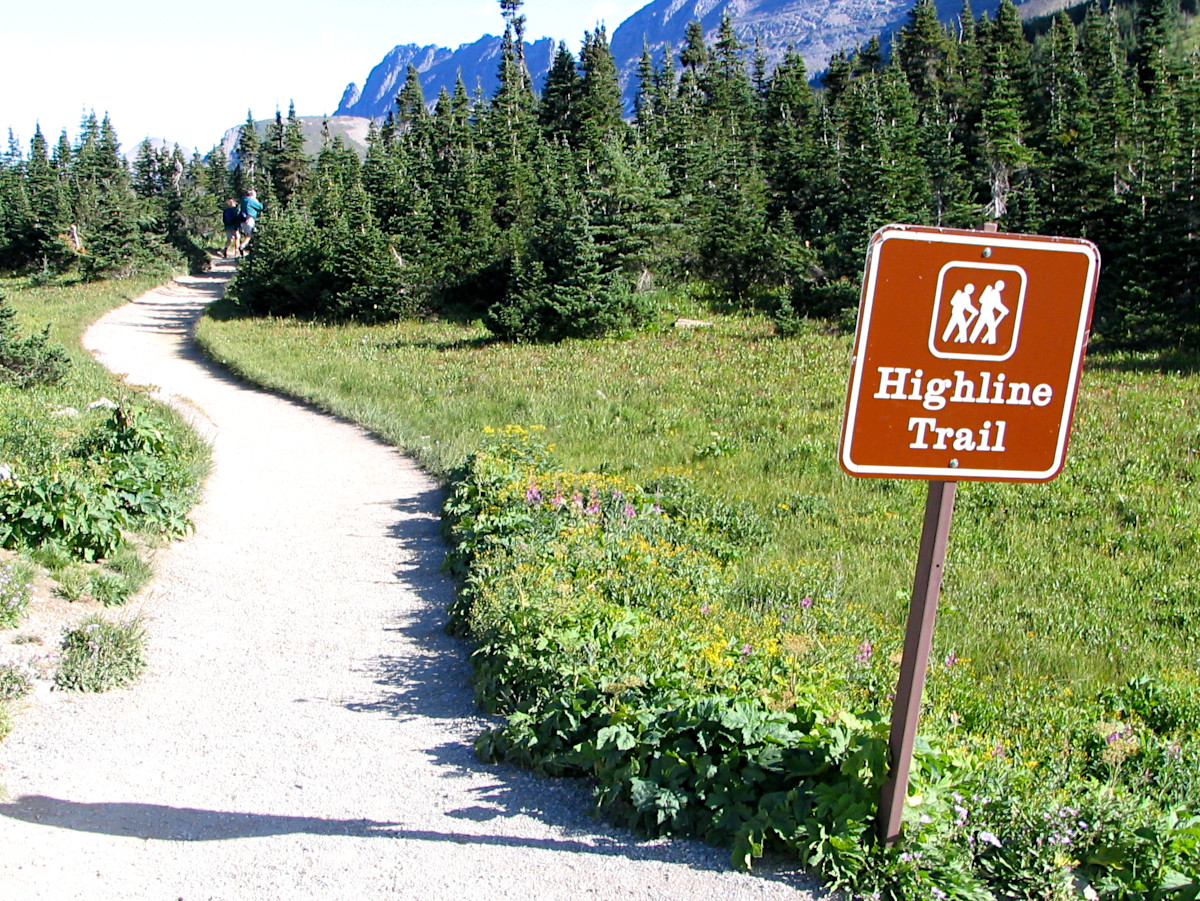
968	354
967	361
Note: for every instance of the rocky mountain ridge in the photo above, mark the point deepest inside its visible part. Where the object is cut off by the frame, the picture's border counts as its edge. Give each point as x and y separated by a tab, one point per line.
816	28
477	63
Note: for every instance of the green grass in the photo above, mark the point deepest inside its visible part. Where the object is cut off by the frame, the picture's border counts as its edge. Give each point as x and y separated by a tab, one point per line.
1073	585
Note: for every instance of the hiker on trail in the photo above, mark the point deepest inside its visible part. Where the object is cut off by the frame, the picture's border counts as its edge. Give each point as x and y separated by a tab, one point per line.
250	210
231	217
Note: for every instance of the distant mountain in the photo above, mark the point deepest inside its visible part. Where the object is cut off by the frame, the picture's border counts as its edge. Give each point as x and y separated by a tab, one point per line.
816	28
352	129
478	64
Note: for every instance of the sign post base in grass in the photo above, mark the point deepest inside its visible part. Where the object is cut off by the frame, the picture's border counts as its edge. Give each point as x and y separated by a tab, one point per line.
939	509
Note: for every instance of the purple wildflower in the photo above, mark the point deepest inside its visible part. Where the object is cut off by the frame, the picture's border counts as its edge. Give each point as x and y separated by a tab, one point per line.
805	603
865	650
629	511
533	495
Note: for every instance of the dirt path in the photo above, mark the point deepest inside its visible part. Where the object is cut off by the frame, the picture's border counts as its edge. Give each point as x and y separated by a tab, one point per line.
305	728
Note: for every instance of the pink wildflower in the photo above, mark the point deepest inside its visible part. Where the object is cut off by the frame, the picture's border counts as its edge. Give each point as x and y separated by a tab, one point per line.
865	650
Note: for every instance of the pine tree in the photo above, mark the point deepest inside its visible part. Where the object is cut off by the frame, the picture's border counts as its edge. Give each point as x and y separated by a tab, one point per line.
599	117
626	194
869	58
557	111
645	112
837	78
509	132
789	144
515	22
694	55
112	241
734	242
558	287
411	112
216	177
47	203
1006	47
926	53
1104	68
17	238
951	198
1004	133
147	180
730	98
245	157
1074	186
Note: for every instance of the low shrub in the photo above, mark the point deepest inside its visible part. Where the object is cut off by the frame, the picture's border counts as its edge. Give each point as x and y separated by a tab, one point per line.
124	474
98	655
621	639
15	682
14	595
31	360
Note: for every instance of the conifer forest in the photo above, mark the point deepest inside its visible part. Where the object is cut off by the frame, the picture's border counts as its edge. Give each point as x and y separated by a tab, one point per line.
561	214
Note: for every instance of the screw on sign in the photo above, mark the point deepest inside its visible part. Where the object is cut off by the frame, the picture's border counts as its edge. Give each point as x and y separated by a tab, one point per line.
966	365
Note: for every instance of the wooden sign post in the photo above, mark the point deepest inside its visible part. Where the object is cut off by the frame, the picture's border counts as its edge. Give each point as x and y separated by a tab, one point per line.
967	361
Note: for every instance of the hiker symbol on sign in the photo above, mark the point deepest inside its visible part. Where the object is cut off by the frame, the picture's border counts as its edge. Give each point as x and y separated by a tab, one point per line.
977	311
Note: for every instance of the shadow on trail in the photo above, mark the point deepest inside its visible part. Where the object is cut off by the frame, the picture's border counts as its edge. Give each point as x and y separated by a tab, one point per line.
189	824
186	824
159	822
430	677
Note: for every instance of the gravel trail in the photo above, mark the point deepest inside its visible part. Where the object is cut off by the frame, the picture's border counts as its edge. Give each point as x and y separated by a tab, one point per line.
305	726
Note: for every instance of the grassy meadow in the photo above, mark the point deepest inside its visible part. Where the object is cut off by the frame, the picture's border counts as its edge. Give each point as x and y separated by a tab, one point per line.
1058	589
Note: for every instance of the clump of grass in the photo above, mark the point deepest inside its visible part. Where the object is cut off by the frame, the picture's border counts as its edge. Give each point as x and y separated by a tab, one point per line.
5	721
98	655
53	555
109	588
15	682
74	582
126	572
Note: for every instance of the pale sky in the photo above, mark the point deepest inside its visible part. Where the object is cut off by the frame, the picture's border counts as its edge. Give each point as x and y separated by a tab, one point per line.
188	72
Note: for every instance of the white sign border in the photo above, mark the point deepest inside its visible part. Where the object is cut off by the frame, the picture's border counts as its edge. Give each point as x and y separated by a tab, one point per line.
866	308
